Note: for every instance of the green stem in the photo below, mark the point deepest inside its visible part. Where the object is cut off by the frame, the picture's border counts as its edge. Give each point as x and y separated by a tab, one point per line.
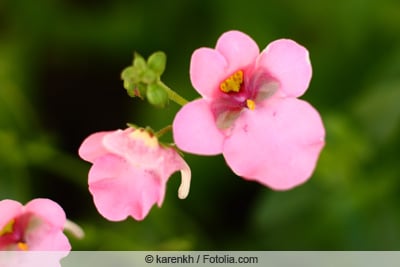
163	131
174	96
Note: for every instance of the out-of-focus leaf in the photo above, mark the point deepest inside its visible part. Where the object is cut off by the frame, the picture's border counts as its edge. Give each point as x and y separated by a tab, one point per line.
345	152
14	176
379	110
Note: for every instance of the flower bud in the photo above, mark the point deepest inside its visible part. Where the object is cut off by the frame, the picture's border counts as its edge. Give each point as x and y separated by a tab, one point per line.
149	76
157	62
156	95
139	62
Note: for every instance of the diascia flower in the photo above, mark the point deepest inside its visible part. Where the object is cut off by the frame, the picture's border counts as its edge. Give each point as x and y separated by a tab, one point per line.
249	110
130	171
37	226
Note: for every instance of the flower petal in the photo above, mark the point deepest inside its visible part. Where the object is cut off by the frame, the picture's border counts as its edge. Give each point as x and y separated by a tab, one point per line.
45	237
207	70
195	130
289	63
120	189
238	49
48	210
50	241
134	145
9	209
92	147
277	144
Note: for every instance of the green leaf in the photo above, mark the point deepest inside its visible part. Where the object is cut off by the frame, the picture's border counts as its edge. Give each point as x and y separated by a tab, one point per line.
378	110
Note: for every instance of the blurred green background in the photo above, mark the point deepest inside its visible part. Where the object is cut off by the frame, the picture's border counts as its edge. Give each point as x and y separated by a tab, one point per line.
60	64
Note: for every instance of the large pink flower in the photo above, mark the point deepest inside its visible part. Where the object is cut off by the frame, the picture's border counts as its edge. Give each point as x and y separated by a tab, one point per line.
130	171
37	226
249	110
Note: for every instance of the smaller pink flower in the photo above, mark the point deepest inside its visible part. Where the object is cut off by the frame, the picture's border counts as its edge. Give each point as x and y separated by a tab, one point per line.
37	226
130	171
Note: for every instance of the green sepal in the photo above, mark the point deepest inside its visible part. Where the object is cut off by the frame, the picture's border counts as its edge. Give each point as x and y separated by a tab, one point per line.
132	125
139	63
156	95
157	62
130	89
149	76
132	74
141	89
127	73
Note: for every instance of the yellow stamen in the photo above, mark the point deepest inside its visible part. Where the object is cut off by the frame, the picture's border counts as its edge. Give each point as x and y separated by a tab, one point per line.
143	135
23	246
8	228
232	83
250	104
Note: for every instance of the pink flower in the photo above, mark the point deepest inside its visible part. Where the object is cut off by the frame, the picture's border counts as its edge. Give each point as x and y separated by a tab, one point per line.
130	171
37	226
249	110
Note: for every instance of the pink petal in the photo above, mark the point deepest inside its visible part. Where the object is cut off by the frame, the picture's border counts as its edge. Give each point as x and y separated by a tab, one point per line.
195	130
173	162
289	63
92	147
56	242
277	144
9	209
141	150
120	189
48	210
239	50
47	238
110	167
207	70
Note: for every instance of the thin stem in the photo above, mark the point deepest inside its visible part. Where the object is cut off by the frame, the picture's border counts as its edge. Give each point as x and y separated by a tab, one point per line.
163	131
174	96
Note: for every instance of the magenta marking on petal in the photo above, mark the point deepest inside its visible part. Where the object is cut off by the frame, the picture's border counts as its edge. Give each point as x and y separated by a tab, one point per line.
36	227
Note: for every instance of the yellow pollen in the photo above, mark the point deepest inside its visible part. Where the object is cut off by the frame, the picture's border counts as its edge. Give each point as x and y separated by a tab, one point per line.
8	228
232	83
149	140
23	246
250	104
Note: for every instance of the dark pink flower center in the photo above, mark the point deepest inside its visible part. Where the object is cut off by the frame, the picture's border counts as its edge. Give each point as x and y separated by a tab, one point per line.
14	233
244	89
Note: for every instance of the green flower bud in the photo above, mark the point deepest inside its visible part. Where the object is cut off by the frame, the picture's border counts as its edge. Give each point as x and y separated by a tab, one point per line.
131	75
127	73
157	62
140	90
139	63
127	84
149	76
156	95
